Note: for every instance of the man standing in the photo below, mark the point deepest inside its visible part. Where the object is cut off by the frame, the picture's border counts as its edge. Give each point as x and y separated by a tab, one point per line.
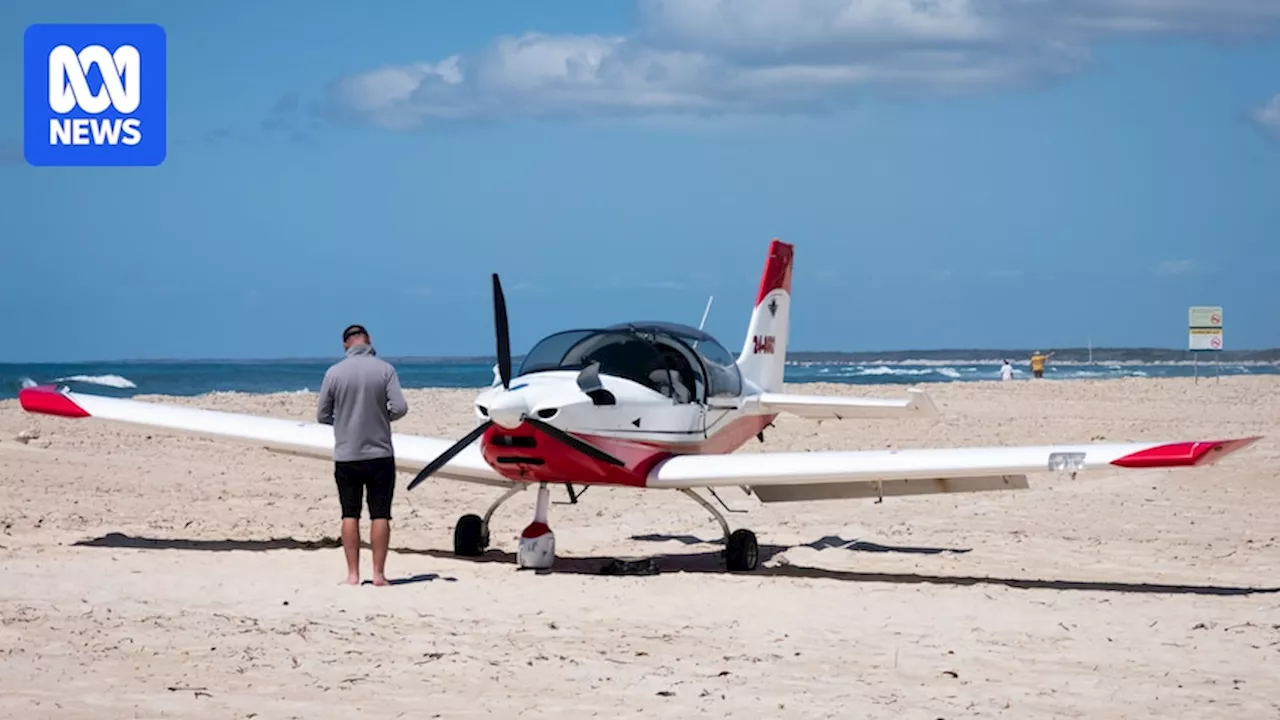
1037	363
360	397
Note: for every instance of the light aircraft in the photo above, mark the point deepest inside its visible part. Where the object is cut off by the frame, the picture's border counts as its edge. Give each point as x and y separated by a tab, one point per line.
661	406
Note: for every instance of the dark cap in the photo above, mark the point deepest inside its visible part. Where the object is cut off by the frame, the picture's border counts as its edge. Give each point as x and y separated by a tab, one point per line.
354	330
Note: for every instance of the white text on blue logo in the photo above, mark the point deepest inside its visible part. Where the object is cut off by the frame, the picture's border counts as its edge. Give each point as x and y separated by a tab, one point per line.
69	88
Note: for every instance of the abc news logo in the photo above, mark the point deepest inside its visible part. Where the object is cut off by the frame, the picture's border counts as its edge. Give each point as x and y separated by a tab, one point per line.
69	89
94	94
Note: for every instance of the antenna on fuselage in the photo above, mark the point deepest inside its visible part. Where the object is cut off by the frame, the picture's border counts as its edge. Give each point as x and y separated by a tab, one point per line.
706	312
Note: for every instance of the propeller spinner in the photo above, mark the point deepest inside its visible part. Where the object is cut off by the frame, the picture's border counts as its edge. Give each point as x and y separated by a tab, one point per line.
512	413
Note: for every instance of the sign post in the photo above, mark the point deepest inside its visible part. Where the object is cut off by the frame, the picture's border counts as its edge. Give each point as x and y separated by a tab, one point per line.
1204	325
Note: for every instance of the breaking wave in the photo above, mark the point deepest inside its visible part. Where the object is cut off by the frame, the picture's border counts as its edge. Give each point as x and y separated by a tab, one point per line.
115	381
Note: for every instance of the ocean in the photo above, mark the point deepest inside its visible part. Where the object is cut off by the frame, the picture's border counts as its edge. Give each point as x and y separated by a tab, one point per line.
181	377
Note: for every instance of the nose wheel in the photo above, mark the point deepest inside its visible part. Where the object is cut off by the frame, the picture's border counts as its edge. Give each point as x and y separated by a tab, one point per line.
537	543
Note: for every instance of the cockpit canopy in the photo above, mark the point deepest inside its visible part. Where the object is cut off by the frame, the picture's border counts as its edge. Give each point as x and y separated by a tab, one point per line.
679	361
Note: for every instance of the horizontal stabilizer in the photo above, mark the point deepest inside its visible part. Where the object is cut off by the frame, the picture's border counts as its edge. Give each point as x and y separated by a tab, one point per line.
918	404
888	488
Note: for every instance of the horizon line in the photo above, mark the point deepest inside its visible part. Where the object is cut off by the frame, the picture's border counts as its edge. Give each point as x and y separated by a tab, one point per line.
995	351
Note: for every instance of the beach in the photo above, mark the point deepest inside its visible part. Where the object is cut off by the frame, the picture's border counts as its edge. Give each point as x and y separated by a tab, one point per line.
151	575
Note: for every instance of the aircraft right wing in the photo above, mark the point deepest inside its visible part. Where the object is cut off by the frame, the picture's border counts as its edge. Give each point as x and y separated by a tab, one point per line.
308	439
789	476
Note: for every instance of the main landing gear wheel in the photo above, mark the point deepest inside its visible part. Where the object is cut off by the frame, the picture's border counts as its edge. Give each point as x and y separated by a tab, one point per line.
470	536
742	553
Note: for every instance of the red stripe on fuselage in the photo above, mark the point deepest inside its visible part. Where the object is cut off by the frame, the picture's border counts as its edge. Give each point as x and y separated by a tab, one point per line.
528	455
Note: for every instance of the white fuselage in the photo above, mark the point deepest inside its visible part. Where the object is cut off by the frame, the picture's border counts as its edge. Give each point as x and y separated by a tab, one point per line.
640	414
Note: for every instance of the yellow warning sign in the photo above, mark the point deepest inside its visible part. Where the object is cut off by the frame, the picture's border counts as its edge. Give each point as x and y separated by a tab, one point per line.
1205	339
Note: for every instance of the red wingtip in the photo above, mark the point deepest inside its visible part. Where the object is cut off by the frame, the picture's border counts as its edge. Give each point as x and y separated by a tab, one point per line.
46	400
1184	454
777	269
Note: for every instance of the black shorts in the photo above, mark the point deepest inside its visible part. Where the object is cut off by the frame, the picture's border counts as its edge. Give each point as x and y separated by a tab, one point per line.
378	475
1039	373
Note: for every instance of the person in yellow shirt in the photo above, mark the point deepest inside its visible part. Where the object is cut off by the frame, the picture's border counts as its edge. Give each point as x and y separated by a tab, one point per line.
1037	363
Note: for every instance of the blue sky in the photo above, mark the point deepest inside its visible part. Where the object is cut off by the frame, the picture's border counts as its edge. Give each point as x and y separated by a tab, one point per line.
966	173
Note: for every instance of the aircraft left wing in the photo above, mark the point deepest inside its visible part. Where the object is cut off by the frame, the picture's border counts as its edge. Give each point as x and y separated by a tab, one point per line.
918	404
309	439
789	476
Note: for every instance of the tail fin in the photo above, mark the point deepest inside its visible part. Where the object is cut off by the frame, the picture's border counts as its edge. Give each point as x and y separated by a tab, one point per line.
764	354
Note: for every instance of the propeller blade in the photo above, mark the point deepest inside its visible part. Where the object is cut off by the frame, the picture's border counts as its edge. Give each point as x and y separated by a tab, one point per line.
503	332
444	457
573	442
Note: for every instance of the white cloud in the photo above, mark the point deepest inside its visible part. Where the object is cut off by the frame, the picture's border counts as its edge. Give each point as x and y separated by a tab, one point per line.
1176	267
769	27
739	57
1268	116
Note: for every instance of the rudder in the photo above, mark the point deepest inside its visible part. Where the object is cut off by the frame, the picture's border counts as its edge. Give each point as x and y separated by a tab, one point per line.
764	354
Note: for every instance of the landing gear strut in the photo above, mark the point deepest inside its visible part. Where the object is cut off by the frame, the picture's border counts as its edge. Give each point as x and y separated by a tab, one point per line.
471	534
741	551
537	542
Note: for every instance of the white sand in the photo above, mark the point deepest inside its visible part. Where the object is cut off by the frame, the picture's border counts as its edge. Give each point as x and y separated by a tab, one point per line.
1054	607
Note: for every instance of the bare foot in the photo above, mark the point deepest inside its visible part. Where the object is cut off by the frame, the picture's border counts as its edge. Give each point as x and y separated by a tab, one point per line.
351	580
380	580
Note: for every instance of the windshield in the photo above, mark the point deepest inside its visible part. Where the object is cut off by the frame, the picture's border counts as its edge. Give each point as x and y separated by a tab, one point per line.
551	350
622	354
724	378
645	355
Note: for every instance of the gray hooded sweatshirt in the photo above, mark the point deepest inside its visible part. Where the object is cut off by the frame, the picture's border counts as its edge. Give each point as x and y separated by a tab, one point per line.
360	397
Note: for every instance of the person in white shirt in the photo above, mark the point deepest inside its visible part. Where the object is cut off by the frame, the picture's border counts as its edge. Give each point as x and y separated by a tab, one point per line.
1006	371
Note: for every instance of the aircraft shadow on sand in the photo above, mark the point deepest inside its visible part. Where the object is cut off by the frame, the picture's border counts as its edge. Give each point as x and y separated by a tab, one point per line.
830	541
132	542
705	562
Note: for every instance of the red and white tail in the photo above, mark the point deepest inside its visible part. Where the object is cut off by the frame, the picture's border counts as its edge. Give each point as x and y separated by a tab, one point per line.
764	355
